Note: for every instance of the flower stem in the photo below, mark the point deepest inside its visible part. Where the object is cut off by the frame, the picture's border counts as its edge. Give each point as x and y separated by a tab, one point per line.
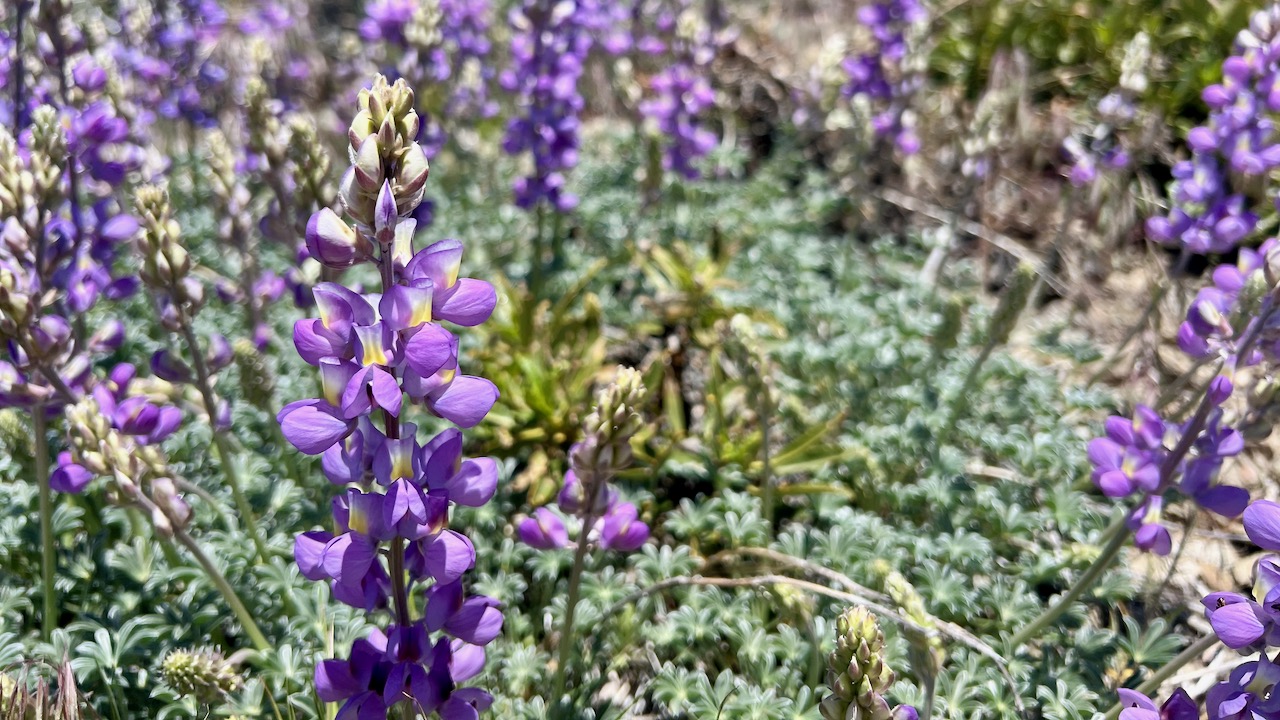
1117	537
391	426
535	254
589	517
228	593
48	560
1148	686
225	459
565	649
960	403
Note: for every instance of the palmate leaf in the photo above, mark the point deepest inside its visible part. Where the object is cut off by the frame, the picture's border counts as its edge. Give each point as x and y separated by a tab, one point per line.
1066	700
1151	646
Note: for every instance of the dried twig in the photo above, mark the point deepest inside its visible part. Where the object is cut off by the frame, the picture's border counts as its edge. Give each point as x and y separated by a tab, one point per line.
998	239
945	629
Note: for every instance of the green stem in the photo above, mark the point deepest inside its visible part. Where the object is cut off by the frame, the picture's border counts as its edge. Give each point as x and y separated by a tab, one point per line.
1117	538
767	490
567	640
571	607
535	256
48	560
400	601
960	403
1148	686
228	593
225	456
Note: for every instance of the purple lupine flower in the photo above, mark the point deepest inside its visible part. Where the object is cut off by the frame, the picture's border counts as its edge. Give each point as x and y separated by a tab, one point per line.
373	350
880	75
134	416
680	97
586	497
1208	216
386	20
1137	706
1222	315
1246	695
1132	459
548	48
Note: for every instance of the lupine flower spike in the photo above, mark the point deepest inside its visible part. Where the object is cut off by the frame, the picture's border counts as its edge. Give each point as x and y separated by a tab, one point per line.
372	351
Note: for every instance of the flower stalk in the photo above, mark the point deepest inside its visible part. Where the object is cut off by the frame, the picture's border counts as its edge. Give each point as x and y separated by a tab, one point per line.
224	588
48	558
1116	540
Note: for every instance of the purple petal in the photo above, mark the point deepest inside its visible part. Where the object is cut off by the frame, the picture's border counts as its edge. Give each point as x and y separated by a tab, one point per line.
478	621
438	262
545	530
313	426
1237	625
1226	500
475	483
430	349
69	477
465	401
348	557
466	660
1262	524
468	303
448	555
334	681
308	552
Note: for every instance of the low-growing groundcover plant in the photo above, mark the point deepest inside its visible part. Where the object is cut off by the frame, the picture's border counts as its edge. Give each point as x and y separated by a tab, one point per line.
684	434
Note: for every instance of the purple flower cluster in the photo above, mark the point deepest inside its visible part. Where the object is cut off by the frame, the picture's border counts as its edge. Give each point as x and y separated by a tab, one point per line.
385	20
549	45
1246	623
586	495
680	96
172	68
48	244
1208	215
1105	147
1231	312
615	525
371	351
881	75
1132	459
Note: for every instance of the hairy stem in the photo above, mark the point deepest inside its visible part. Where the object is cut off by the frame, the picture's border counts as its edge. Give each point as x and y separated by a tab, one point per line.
567	640
225	456
1117	537
960	403
48	560
228	593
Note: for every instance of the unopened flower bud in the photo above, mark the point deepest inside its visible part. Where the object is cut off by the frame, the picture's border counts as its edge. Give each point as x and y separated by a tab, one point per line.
368	165
218	354
385	216
361	127
334	243
414	170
